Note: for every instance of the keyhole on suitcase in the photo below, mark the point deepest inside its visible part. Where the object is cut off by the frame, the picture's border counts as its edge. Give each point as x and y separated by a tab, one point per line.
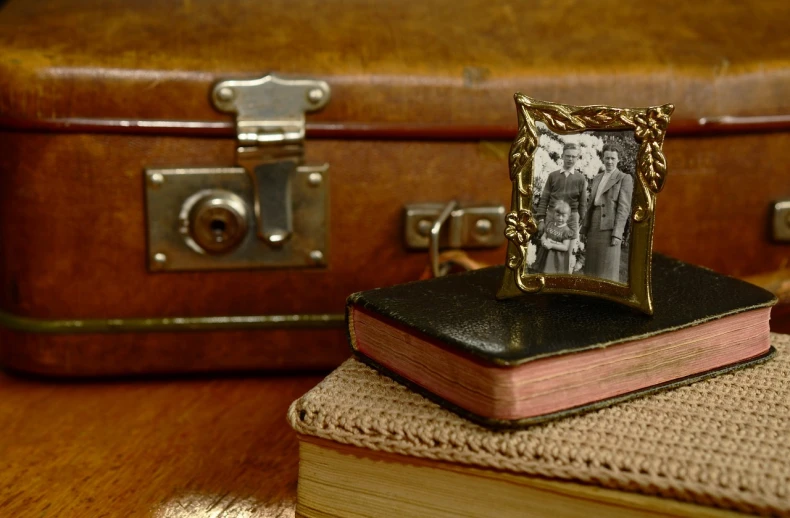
217	221
218	226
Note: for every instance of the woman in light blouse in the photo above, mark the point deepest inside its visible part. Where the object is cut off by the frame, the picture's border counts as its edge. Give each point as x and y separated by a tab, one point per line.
608	212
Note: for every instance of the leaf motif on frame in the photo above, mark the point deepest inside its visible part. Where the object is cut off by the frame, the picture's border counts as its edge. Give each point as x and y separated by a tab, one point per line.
561	120
531	143
596	115
653	165
659	167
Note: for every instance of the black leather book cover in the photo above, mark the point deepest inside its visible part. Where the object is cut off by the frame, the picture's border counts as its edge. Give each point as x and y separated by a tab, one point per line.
461	311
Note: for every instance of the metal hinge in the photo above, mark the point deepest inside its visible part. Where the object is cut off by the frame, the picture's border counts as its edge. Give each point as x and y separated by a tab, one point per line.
270	129
270	210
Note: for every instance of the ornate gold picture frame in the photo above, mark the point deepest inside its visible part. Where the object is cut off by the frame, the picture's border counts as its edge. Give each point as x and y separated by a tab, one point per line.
587	231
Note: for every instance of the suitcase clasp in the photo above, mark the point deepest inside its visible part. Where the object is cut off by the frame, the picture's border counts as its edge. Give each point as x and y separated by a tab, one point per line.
270	129
271	210
452	226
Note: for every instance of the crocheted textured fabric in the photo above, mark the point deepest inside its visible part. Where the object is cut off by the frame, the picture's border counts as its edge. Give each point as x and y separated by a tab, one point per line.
722	442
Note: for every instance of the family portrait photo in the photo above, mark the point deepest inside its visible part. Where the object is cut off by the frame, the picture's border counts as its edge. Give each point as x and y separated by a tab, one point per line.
583	186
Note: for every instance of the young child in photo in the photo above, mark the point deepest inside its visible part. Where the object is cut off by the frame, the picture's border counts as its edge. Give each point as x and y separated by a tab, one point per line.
556	241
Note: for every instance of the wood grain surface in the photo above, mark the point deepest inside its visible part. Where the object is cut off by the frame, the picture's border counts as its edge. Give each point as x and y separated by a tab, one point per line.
188	447
217	448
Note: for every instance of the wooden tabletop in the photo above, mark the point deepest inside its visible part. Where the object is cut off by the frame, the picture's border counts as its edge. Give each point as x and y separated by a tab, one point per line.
164	448
154	448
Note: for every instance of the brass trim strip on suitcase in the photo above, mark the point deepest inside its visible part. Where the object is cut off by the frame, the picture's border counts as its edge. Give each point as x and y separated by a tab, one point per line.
171	324
376	131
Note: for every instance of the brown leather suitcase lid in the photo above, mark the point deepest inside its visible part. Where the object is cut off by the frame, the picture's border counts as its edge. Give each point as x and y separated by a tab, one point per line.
395	62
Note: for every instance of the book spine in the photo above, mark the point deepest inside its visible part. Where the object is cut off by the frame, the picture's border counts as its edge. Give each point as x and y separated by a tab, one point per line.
354	298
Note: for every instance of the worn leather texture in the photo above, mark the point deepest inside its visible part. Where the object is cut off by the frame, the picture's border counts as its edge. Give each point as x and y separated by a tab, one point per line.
392	60
460	312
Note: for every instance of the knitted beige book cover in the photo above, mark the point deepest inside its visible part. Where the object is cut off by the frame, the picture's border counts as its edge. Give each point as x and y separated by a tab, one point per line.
722	442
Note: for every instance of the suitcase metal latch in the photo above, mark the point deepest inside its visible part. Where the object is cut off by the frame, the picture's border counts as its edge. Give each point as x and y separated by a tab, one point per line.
451	225
269	211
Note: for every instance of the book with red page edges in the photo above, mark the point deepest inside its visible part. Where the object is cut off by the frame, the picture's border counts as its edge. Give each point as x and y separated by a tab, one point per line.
534	358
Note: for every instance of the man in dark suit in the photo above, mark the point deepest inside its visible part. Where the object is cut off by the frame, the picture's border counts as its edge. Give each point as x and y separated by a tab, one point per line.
605	221
568	185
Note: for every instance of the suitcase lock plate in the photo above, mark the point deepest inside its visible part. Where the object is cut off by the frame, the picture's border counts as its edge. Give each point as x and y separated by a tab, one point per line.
271	210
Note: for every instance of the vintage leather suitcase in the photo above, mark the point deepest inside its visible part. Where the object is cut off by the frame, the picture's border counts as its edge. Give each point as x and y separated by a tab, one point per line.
135	146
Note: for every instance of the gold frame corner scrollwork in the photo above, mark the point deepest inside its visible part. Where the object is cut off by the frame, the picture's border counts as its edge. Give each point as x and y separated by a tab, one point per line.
649	126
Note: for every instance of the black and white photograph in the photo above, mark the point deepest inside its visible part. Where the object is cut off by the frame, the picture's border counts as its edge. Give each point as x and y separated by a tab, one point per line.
583	186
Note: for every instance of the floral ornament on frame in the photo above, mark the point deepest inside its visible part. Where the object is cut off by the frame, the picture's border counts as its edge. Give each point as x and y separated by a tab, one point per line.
584	232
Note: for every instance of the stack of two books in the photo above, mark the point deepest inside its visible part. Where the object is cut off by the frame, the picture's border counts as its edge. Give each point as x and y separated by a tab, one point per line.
551	405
